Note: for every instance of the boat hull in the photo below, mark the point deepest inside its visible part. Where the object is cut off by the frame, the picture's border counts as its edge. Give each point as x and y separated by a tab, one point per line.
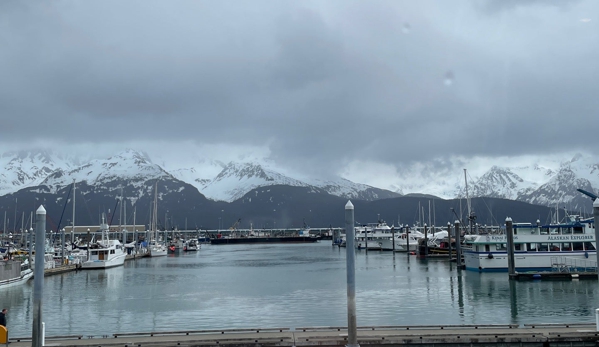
25	276
523	261
118	260
283	239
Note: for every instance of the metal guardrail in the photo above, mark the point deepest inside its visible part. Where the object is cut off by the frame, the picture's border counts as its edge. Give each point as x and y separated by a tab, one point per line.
201	332
318	329
560	325
569	264
415	327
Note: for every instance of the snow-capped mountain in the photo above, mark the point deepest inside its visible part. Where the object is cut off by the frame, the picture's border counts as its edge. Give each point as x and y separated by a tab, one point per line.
499	182
237	179
131	169
24	169
540	185
547	184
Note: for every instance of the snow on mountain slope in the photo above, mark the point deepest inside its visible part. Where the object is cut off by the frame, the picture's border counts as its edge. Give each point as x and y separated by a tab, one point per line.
237	179
25	169
549	184
498	183
130	165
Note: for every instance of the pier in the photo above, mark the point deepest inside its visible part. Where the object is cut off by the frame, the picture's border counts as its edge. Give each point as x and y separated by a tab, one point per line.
423	336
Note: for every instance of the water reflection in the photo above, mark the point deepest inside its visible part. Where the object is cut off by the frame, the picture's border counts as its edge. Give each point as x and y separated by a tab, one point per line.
289	285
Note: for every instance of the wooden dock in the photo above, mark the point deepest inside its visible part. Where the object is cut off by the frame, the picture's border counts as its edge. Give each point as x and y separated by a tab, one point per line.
423	336
61	269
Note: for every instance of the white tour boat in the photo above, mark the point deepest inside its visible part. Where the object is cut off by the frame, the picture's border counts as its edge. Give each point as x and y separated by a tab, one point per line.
105	253
559	247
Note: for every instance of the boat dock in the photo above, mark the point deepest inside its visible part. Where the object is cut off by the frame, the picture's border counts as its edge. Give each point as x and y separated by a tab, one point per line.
530	276
423	336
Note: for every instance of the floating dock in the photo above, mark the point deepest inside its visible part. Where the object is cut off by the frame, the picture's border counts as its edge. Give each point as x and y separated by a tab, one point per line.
567	276
422	336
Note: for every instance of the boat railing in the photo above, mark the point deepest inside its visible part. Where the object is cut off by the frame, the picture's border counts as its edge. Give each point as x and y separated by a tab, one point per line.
570	264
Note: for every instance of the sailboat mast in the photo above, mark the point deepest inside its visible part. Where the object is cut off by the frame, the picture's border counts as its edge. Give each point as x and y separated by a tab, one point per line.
125	221
73	219
467	197
155	216
468	203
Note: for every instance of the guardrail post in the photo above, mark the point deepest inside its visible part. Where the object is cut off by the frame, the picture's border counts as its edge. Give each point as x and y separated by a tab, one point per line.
352	328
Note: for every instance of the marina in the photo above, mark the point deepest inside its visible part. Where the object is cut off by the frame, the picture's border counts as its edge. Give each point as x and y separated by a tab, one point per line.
289	285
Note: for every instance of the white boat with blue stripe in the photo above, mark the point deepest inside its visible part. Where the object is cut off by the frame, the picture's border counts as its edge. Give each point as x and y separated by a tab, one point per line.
536	247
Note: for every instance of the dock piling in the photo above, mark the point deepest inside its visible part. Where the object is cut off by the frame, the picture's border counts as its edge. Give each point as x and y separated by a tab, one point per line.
458	245
425	241
511	267
38	276
352	330
449	237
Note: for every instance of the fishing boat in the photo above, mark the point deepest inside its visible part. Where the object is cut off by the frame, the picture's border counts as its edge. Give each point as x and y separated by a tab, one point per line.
14	273
562	247
105	253
190	245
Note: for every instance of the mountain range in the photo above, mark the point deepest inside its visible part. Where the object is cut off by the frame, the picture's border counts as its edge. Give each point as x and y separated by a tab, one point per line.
261	193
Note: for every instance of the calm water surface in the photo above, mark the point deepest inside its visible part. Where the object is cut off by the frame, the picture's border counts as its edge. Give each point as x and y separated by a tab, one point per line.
294	285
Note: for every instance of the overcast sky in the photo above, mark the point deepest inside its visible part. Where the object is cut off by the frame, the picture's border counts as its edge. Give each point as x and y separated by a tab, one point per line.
363	89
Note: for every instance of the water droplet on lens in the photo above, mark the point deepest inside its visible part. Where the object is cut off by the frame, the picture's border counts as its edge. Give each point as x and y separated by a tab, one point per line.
406	28
448	78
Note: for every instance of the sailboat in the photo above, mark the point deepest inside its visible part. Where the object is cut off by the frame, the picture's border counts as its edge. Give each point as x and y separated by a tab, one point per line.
105	253
155	247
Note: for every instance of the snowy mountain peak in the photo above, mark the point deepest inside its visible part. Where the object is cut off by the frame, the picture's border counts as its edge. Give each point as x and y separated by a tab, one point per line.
237	179
132	166
23	169
140	158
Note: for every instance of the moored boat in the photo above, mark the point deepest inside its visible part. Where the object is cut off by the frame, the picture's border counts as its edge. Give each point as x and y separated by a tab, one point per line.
567	246
14	273
105	253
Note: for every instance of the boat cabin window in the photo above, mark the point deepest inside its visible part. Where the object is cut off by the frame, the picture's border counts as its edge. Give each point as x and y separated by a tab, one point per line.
554	247
566	230
112	251
501	246
531	247
588	246
94	252
566	246
577	246
543	247
518	247
487	248
578	230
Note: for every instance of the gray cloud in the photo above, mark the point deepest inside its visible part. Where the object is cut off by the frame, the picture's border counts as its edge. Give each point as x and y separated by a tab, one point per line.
320	83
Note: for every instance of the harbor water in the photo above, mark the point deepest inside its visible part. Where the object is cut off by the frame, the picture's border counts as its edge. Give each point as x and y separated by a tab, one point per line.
288	285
